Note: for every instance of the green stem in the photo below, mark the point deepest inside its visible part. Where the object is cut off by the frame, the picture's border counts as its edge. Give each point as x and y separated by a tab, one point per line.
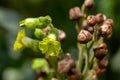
86	62
80	57
53	62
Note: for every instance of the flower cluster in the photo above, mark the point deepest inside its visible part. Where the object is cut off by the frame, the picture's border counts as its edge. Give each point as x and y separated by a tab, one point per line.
92	50
46	41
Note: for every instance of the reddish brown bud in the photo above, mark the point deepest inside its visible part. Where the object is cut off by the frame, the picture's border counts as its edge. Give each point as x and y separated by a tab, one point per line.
84	36
91	20
103	63
62	35
100	51
85	26
100	18
105	30
89	3
75	13
66	64
102	46
109	22
46	30
100	71
74	74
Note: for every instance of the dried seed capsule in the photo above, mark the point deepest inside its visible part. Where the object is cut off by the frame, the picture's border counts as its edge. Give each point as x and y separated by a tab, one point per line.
100	18
90	29
100	71
105	30
84	36
85	26
66	64
75	13
74	74
91	20
100	51
103	63
109	22
61	35
103	46
89	3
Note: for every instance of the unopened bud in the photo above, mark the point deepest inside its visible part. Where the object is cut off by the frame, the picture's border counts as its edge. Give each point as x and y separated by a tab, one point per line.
109	22
100	71
84	36
91	20
105	30
100	51
61	35
89	3
103	63
39	33
100	18
75	13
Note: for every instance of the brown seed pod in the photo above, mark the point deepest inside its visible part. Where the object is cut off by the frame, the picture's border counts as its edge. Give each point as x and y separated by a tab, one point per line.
99	71
61	35
84	36
91	20
89	3
105	30
100	18
74	74
85	26
66	64
103	63
75	13
109	22
100	51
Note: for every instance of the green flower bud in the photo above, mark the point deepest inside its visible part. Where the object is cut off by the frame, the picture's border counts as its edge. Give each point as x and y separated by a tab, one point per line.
39	33
40	63
44	21
32	23
31	43
29	23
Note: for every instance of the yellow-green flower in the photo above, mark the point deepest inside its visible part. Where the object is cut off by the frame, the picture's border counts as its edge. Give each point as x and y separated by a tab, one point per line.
18	44
50	46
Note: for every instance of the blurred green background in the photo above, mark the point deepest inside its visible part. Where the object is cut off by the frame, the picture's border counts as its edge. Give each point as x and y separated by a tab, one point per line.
17	65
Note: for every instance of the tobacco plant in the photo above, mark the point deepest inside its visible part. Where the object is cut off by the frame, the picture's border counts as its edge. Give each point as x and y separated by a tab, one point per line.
57	65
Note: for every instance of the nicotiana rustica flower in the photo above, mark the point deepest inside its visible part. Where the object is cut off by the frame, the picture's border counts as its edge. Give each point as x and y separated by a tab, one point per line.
18	44
50	46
